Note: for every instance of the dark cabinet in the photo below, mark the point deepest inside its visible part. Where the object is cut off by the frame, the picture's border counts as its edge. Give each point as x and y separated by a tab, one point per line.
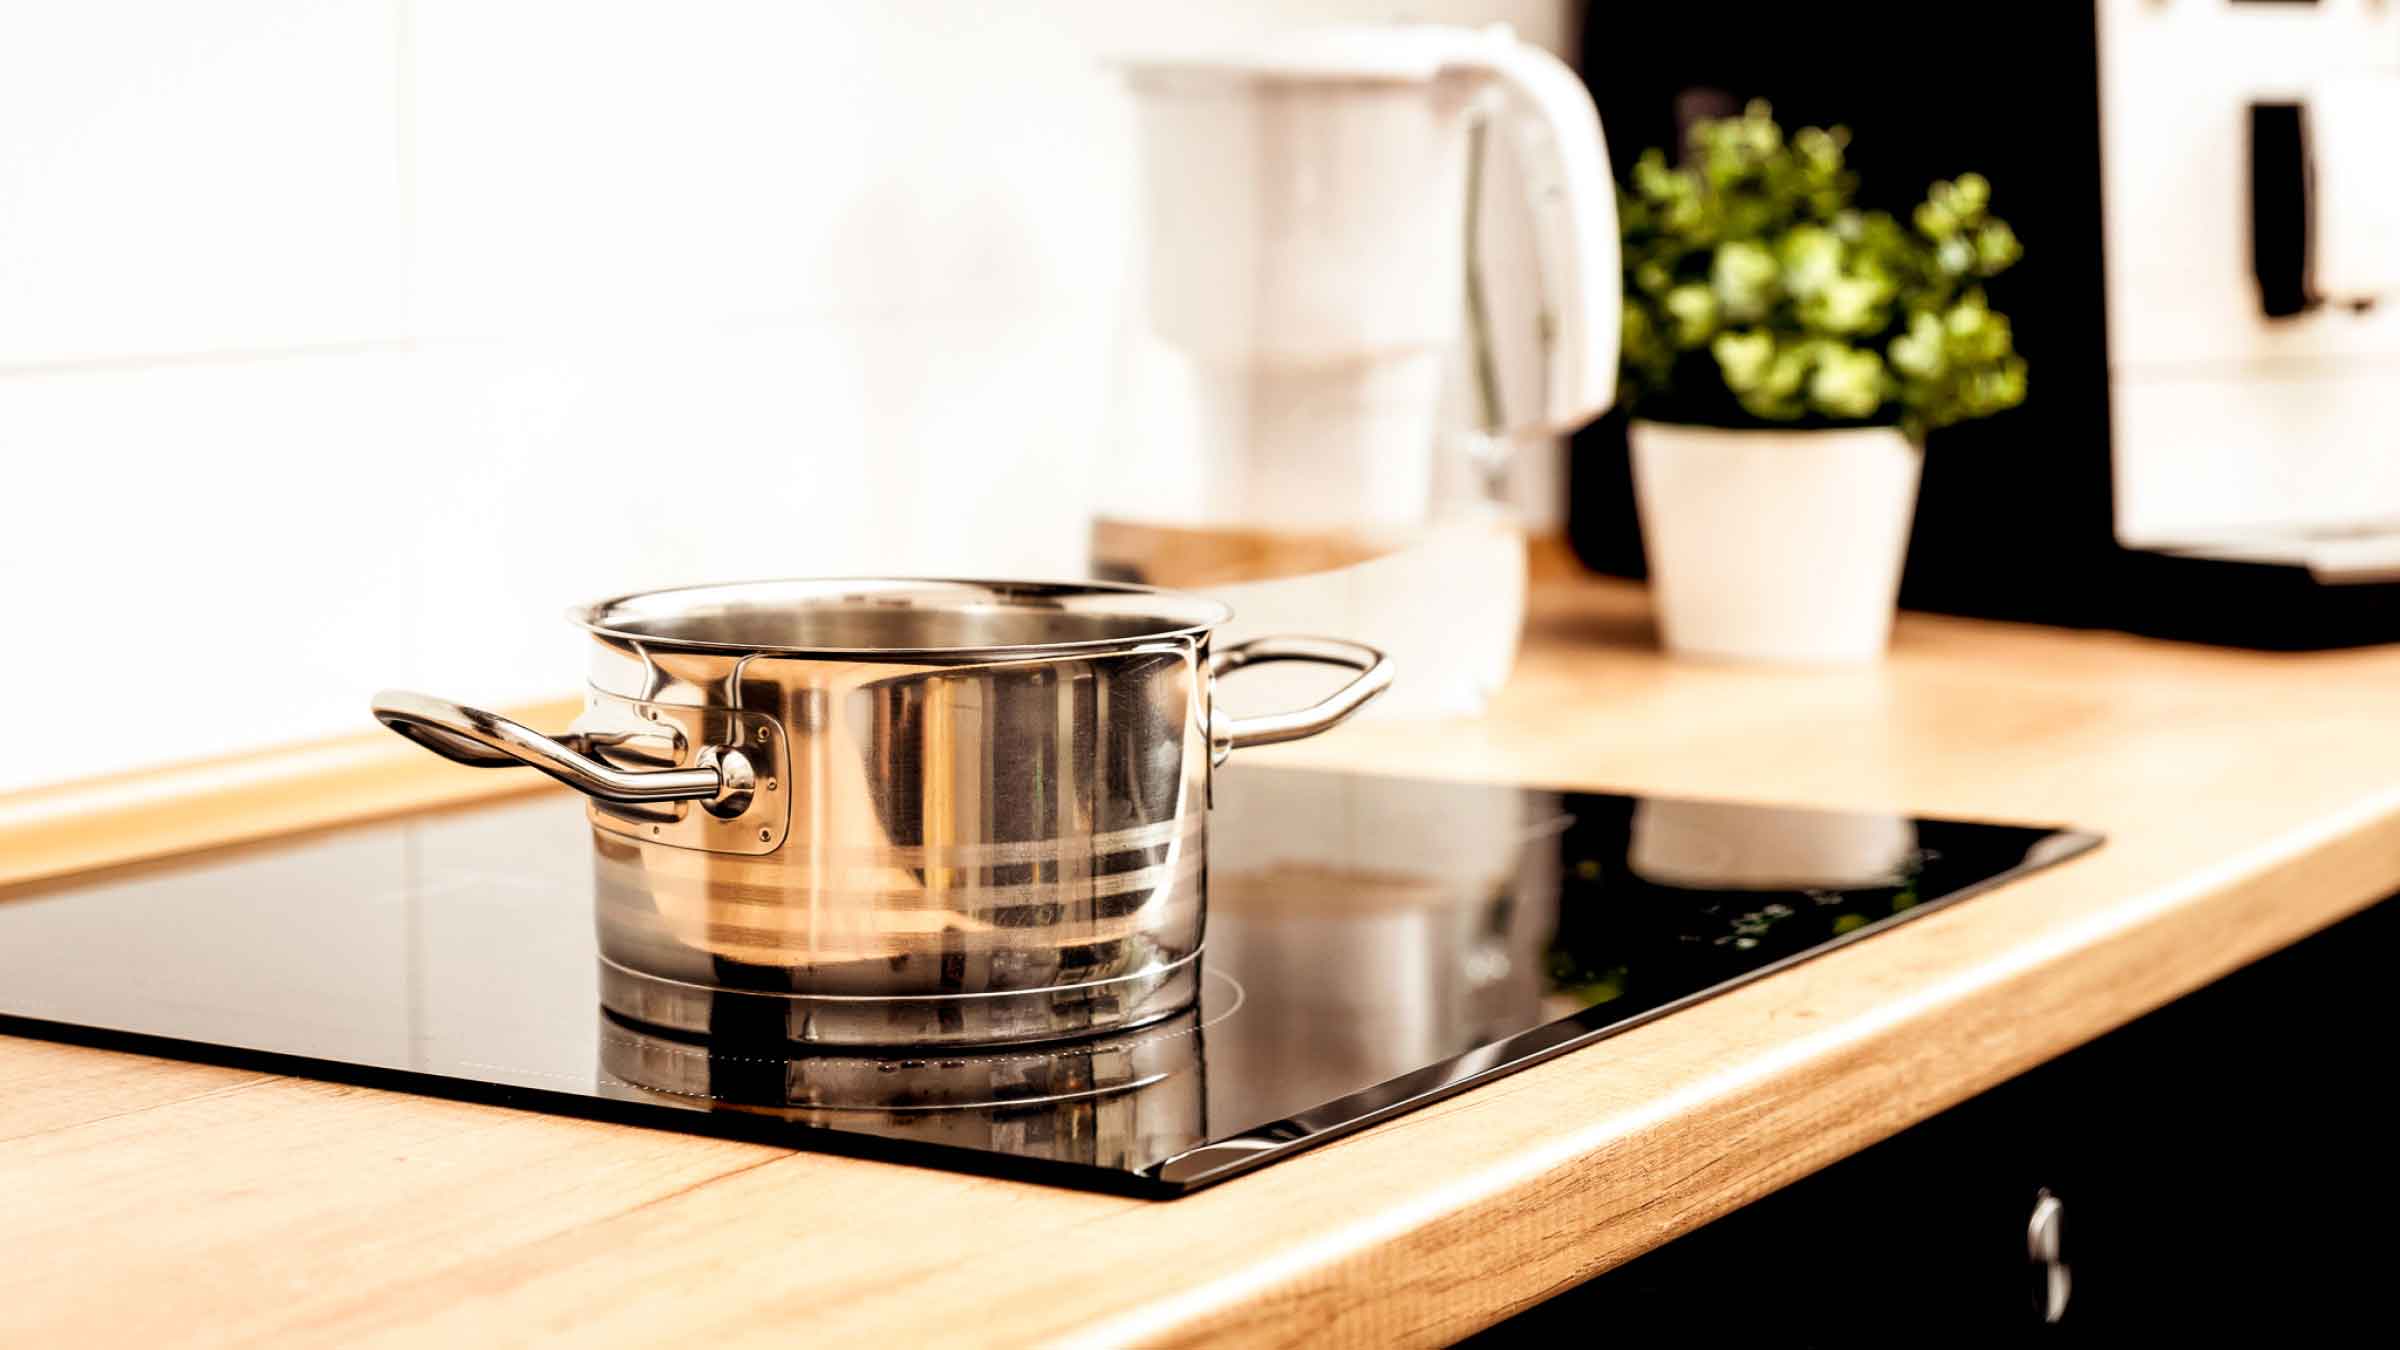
2224	1163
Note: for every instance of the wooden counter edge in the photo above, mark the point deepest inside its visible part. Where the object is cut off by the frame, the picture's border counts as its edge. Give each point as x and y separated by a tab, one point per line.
159	811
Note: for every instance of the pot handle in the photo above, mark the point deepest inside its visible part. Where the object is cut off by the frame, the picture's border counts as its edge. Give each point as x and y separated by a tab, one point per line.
1236	733
721	778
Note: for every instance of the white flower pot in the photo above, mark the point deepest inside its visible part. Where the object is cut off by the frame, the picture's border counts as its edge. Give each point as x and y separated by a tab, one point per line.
1775	545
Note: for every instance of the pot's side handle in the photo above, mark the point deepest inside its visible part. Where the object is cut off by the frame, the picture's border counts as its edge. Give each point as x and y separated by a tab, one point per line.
1235	733
722	779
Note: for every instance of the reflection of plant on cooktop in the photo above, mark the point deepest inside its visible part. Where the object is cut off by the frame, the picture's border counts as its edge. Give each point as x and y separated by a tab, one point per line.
1627	940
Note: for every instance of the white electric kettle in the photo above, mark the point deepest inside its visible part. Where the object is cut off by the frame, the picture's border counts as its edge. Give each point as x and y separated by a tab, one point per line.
1317	338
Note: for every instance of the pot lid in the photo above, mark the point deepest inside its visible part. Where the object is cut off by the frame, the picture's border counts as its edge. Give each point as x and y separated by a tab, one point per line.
883	618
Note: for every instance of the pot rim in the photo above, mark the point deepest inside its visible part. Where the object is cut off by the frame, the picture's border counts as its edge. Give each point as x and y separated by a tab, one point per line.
1178	614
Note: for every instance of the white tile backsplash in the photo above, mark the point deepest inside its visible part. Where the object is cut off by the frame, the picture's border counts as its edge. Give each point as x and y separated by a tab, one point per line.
197	178
620	164
244	553
344	343
202	555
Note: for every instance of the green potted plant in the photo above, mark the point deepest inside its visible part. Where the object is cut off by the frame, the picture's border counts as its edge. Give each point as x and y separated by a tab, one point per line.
1786	352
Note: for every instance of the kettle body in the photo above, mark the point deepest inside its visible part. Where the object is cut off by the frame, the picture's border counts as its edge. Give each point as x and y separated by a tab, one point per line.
1324	367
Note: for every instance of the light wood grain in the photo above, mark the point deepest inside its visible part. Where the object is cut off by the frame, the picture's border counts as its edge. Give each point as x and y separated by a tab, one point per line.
280	1200
150	813
2250	800
54	1087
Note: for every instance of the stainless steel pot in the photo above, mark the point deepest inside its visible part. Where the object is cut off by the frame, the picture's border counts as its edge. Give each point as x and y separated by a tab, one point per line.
898	812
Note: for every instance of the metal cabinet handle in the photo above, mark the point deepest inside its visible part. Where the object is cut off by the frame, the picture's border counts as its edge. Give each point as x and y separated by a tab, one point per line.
721	778
1237	733
2047	1252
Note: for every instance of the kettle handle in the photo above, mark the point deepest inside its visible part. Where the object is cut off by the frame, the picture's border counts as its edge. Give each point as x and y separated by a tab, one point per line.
1573	203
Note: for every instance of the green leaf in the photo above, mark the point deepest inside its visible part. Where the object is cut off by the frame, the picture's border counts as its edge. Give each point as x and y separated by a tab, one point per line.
1756	290
1743	277
1847	382
1918	353
1693	307
1744	358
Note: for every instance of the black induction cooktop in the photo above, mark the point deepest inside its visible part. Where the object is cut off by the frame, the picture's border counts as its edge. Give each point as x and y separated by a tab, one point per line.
1373	944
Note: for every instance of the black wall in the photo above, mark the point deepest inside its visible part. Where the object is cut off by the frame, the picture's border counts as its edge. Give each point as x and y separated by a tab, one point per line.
2016	517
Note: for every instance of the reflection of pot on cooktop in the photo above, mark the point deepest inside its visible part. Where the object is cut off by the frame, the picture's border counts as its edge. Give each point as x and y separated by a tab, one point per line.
1372	918
1126	1099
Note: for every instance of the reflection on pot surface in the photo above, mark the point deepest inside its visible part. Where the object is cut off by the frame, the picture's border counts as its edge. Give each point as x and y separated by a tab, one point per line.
999	826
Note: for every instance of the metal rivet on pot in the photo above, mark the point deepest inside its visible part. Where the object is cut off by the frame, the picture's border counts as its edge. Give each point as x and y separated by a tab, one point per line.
765	835
762	735
654	829
770	785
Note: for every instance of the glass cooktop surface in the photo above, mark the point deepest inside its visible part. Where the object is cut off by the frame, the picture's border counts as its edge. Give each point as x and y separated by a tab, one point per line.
1373	944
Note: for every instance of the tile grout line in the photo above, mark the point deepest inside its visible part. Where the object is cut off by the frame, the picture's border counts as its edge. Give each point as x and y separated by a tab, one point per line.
404	153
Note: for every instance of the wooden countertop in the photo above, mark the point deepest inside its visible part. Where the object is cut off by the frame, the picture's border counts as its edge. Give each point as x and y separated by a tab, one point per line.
2249	800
